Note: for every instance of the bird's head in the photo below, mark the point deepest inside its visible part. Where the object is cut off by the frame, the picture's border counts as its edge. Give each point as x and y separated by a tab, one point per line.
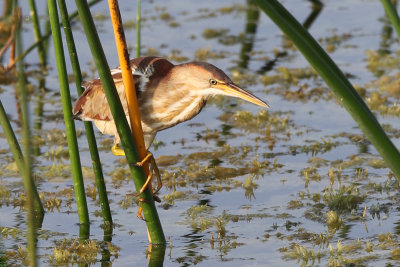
206	79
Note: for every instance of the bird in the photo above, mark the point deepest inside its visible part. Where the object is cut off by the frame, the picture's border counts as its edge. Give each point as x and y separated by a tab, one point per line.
167	95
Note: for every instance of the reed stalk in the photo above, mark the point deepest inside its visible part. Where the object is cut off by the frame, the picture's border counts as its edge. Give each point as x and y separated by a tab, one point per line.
47	35
67	110
20	161
26	171
13	142
131	152
33	205
127	77
98	172
129	85
336	81
392	15
47	28
38	111
37	32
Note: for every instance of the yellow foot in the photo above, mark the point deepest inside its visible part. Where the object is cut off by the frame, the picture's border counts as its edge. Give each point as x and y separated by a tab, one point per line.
117	151
139	213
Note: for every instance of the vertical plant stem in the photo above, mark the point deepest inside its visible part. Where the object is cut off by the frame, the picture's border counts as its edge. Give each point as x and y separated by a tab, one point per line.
47	35
12	140
26	136
67	110
336	81
138	28
20	161
37	32
101	187
129	84
392	14
47	29
149	210
37	124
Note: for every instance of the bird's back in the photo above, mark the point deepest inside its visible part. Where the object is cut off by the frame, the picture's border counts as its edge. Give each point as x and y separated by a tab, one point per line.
92	105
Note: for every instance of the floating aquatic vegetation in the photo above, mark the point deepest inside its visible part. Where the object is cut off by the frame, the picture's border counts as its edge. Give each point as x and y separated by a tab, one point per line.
169	199
9	232
379	63
16	256
290	76
345	199
70	251
302	254
333	221
204	54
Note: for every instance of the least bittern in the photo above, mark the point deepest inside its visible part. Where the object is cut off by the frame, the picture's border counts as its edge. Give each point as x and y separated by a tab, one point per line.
168	94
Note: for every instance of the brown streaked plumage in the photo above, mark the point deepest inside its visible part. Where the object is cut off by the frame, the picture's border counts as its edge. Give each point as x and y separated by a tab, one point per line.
167	95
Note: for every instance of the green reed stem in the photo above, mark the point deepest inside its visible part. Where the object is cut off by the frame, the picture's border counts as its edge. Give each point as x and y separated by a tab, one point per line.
336	81
67	110
38	111
26	171
25	165
138	175
47	29
101	186
48	33
37	32
15	147
20	161
392	14
138	28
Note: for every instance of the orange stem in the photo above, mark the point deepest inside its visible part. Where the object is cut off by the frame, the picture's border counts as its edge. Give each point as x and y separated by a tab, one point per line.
129	84
127	77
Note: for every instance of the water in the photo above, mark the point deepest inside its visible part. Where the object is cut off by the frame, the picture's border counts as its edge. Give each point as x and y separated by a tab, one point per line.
284	208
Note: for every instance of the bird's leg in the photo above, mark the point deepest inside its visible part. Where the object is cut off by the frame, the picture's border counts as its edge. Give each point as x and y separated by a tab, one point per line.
139	212
149	158
153	169
117	151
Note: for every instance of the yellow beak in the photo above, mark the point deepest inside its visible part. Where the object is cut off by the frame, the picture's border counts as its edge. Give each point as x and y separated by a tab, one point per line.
232	89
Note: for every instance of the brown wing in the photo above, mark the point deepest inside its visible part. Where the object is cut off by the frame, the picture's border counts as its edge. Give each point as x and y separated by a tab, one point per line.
93	105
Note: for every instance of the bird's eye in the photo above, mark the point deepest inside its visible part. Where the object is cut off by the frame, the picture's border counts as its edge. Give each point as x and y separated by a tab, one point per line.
213	82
